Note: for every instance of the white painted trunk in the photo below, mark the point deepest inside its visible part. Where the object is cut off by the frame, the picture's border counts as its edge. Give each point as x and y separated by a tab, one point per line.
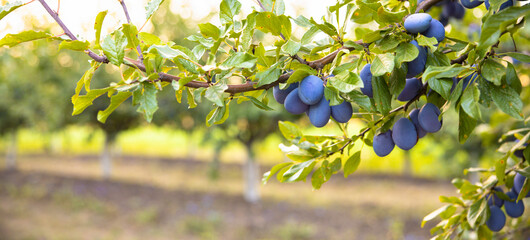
106	157
252	177
11	153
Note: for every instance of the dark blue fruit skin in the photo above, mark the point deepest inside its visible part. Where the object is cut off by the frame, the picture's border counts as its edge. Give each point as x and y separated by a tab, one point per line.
518	182
366	76
412	88
319	113
413	115
417	65
293	104
506	4
383	143
404	134
428	118
454	9
436	30
342	112
497	219
455	82
444	20
417	22
470	4
281	94
514	208
519	153
311	90
493	199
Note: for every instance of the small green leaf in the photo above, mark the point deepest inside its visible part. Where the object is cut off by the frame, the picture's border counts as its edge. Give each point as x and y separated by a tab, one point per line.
346	81
114	49
97	26
383	63
131	32
9	7
332	95
470	103
466	125
289	130
477	211
229	9
74	45
268	76
273	171
82	102
500	168
493	71
115	101
215	93
298	171
406	52
209	30
218	115
85	80
326	27
145	98
151	7
248	32
382	96
259	103
519	56
434	214
11	40
239	60
352	164
506	99
276	25
291	47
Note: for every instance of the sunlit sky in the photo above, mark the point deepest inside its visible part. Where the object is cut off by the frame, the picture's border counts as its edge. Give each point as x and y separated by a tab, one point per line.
79	15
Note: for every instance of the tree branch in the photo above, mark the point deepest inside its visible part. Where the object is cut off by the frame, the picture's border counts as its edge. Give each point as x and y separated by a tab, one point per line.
138	49
426	5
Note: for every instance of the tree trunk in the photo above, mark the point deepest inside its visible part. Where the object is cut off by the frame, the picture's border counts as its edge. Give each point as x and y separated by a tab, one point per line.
252	177
11	153
106	156
407	164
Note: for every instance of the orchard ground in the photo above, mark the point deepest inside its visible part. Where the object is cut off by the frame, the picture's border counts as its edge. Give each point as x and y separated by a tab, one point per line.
155	198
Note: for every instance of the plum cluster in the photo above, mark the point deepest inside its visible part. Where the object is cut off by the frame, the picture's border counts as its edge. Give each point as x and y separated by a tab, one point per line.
424	24
308	96
407	131
512	207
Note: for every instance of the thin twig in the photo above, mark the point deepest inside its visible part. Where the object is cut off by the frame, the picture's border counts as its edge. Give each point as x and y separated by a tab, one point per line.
138	48
58	6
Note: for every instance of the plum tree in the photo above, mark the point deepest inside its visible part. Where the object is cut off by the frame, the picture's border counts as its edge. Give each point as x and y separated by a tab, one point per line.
418	22
293	104
342	112
311	90
493	199
514	208
404	134
428	118
366	77
281	94
417	65
453	9
436	30
413	115
320	113
518	183
504	5
471	4
383	143
497	219
411	90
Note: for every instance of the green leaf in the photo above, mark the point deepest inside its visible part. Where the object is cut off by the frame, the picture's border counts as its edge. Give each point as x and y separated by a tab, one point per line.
131	32
85	80
476	211
97	26
145	98
386	17
82	102
352	164
383	63
326	27
398	79
239	60
346	81
268	76
229	9
309	34
11	40
469	102
434	214
149	39
512	79
151	7
276	25
215	93
74	45
248	32
427	41
114	49
115	101
298	171
500	168
291	47
382	97
406	52
496	23
441	86
320	176
519	56
259	103
279	6
168	52
332	95
466	125
506	99
218	115
209	30
289	130
493	71
9	7
273	171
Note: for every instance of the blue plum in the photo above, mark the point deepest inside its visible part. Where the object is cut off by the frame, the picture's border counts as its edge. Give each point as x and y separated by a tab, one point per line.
469	80
413	115
471	4
417	22
383	143
366	76
281	94
417	65
518	182
311	90
453	9
493	199
444	20
514	208
342	112
506	4
404	134
293	104
428	118
519	153
412	88
319	113
436	30
497	219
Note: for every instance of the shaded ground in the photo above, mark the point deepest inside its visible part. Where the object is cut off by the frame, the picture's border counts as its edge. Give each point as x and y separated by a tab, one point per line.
38	203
